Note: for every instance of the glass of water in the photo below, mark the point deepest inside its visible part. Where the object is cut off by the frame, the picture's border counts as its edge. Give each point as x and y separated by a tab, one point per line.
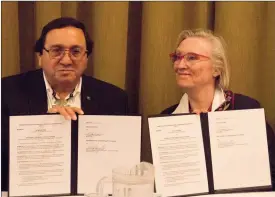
136	182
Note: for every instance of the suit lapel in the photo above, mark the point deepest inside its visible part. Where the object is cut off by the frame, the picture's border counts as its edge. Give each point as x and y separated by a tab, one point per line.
37	95
89	102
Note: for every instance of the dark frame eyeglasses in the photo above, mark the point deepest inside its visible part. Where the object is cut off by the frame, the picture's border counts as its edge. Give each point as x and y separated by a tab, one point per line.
75	53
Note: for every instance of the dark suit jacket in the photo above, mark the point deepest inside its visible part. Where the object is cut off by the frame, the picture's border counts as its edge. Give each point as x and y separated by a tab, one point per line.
25	94
245	102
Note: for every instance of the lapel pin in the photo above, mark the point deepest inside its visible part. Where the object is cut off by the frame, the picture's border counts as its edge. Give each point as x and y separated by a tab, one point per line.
88	98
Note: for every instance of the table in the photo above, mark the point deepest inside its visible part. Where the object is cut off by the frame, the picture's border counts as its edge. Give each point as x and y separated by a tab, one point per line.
248	194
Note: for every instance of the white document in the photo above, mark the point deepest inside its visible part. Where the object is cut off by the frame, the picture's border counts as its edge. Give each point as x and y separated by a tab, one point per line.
239	149
40	155
105	143
178	155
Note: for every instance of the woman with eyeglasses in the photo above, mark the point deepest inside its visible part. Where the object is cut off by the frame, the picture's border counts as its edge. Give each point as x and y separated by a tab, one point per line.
202	71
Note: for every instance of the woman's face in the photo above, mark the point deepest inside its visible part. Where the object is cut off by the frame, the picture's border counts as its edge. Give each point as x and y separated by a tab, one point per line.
193	63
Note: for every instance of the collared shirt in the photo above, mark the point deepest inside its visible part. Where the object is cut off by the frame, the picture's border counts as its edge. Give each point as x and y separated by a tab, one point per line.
219	99
74	101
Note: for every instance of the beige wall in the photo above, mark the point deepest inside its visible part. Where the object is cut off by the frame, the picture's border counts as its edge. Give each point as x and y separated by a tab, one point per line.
133	40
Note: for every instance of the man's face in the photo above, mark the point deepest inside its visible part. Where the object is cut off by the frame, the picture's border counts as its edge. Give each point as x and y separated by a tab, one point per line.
67	68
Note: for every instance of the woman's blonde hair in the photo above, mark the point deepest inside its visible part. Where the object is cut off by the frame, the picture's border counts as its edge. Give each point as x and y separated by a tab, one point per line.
218	53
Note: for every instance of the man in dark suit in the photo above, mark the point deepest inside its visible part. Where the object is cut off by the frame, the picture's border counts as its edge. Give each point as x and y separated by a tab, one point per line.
59	86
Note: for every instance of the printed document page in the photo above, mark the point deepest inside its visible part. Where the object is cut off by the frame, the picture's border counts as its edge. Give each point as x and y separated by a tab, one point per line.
105	143
178	155
40	155
239	149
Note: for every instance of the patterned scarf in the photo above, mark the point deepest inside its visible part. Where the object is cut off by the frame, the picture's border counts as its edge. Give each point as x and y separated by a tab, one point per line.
229	101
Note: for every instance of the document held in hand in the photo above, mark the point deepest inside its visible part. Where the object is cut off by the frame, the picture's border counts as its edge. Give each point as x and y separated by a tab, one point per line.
53	156
210	153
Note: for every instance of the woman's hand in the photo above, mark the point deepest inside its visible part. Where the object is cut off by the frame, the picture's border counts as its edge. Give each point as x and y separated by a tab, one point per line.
198	111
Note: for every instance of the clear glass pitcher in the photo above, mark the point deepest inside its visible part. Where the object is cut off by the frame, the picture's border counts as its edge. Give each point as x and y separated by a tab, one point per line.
136	182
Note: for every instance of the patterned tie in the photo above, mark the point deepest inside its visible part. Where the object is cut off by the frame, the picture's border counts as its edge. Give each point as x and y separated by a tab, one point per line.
62	102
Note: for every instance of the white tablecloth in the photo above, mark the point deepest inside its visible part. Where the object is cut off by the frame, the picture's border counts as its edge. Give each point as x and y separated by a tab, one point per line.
249	194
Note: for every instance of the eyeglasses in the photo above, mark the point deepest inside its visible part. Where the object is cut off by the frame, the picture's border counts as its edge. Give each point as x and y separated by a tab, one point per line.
190	58
75	53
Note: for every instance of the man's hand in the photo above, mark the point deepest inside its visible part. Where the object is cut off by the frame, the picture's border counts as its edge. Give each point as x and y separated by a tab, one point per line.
69	113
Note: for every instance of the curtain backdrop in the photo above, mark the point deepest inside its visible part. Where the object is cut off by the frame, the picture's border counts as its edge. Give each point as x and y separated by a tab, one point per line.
133	40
